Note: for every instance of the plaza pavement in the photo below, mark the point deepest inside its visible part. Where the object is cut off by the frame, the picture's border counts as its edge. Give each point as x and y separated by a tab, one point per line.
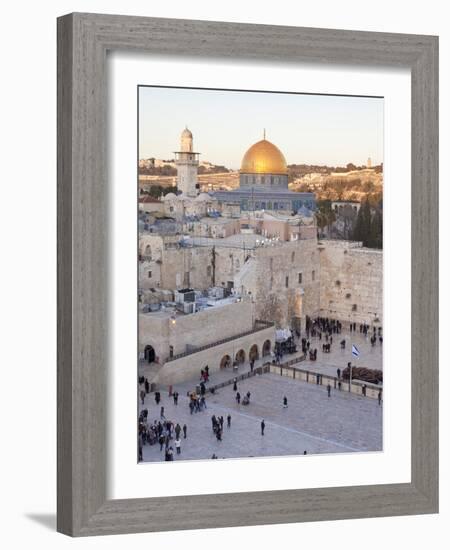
312	422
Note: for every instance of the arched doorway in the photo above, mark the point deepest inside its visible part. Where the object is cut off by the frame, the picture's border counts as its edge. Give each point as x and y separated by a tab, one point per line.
253	354
225	362
240	357
266	348
149	354
148	252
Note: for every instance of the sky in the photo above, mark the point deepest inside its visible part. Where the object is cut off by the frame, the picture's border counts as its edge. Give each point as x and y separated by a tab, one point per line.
308	129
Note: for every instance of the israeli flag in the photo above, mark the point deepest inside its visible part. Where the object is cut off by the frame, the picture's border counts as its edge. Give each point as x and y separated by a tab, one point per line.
355	351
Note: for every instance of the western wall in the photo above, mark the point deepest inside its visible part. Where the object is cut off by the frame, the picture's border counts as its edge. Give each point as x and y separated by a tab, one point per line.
351	282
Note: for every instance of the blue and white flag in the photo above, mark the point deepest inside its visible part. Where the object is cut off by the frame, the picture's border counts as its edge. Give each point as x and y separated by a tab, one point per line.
355	351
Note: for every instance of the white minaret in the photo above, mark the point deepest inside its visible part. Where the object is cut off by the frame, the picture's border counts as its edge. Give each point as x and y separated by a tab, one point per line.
369	163
187	165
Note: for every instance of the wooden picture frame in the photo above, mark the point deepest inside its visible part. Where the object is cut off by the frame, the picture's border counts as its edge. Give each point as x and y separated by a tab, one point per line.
83	42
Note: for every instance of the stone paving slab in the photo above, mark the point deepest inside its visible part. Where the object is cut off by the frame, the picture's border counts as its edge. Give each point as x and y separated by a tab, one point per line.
312	422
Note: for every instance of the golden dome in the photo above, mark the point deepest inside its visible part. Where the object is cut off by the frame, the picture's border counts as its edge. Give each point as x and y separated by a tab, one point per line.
263	158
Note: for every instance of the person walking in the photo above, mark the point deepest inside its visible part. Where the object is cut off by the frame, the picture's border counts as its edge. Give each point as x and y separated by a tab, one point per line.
235	384
229	420
338	373
329	390
379	397
161	442
238	398
142	396
285	402
263	425
177	431
162	414
184	431
178	445
147	386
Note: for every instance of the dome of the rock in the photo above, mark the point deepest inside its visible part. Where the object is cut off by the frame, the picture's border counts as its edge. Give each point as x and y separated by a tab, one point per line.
264	158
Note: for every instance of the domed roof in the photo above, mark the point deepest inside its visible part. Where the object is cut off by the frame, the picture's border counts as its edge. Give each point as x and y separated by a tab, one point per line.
264	158
184	197
203	197
170	197
186	133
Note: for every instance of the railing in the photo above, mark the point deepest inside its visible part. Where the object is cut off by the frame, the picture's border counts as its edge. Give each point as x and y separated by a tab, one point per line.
264	324
257	370
311	377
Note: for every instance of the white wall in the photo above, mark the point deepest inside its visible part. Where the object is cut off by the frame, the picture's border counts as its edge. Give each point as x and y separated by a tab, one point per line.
28	403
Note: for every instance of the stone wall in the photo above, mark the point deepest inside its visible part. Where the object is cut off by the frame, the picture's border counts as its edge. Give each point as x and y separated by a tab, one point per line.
188	367
279	276
351	282
186	267
196	329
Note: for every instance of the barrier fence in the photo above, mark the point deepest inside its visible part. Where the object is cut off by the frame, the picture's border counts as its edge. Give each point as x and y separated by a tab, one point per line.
358	387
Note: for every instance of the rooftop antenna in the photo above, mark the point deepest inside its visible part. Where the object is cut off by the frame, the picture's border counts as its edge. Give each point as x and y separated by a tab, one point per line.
264	133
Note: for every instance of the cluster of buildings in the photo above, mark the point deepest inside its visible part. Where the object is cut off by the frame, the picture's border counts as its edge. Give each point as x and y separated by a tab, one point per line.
220	273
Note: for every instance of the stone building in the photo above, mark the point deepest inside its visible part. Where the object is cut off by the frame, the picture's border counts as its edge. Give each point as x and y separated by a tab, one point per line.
263	182
182	344
186	161
243	270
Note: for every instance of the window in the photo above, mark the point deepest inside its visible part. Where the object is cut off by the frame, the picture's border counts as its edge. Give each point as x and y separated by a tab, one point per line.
313	275
354	307
208	271
287	282
300	278
292	256
149	274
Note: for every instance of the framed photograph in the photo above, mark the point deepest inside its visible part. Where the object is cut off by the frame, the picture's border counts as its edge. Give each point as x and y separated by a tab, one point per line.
247	274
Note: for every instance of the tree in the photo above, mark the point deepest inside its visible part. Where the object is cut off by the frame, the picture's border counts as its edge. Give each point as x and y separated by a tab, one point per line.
325	215
362	225
369	227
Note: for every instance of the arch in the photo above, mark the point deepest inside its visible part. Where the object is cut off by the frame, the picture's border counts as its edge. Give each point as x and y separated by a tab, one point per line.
266	348
149	353
148	252
253	354
240	357
225	361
